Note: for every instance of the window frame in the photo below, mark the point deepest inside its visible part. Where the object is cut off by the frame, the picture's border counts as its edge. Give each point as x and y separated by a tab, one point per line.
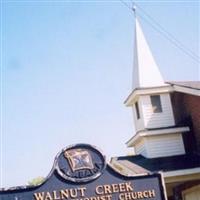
137	110
156	103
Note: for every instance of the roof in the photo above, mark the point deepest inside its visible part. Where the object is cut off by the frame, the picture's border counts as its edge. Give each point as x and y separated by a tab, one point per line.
164	164
187	87
187	84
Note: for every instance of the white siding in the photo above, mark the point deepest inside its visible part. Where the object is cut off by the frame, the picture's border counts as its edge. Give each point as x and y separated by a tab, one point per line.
157	120
164	145
140	148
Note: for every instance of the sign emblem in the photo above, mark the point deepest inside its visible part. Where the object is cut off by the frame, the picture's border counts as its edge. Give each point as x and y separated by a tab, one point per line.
80	163
79	159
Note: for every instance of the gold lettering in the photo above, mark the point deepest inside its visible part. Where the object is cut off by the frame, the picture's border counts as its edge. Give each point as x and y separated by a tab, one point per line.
127	196
103	192
146	194
39	196
152	193
140	195
107	189
99	189
109	197
115	188
73	193
121	196
82	191
93	198
134	195
128	187
64	194
122	187
48	196
55	197
101	198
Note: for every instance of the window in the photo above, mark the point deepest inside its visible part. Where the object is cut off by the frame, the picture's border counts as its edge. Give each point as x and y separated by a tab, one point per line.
156	103
191	193
137	110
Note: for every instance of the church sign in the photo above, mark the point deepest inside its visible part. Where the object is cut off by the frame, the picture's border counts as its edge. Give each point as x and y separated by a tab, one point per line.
80	172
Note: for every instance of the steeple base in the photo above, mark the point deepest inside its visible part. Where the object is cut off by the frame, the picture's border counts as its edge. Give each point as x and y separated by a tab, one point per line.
154	144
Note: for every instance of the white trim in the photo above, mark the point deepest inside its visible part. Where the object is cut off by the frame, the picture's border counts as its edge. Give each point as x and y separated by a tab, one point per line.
124	170
182	175
186	90
163	131
181	172
158	90
145	91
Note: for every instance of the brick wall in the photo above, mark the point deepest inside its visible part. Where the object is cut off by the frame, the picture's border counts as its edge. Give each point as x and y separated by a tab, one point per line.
186	107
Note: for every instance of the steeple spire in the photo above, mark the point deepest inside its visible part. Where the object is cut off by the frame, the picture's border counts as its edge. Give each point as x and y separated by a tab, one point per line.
145	70
156	134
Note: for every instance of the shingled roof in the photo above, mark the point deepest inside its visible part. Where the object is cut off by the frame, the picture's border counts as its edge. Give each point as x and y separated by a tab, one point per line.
186	84
164	164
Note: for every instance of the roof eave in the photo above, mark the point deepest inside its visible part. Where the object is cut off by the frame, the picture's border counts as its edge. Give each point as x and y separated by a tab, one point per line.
144	91
186	90
146	133
182	175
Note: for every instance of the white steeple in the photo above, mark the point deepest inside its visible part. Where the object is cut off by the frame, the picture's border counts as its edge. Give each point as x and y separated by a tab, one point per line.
156	133
145	70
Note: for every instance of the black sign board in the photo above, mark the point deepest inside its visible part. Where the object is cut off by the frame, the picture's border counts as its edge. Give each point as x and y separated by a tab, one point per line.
80	172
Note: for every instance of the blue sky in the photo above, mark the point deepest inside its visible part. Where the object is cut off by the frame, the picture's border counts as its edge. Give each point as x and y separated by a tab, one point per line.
66	69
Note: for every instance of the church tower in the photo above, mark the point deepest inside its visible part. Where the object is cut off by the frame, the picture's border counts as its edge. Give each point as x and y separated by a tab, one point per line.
156	132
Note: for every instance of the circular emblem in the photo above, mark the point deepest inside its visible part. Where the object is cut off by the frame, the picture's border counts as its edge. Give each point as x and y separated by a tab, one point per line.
80	163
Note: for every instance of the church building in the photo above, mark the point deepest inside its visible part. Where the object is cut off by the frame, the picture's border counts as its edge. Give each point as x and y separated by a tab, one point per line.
167	126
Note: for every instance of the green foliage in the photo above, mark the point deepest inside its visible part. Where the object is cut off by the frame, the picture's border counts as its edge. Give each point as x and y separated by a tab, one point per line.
36	181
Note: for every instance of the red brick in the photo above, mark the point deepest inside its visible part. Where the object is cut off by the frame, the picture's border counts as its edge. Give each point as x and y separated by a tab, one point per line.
186	105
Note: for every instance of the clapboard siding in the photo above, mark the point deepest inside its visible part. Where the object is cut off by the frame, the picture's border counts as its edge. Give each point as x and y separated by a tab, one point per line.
157	120
140	148
164	145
